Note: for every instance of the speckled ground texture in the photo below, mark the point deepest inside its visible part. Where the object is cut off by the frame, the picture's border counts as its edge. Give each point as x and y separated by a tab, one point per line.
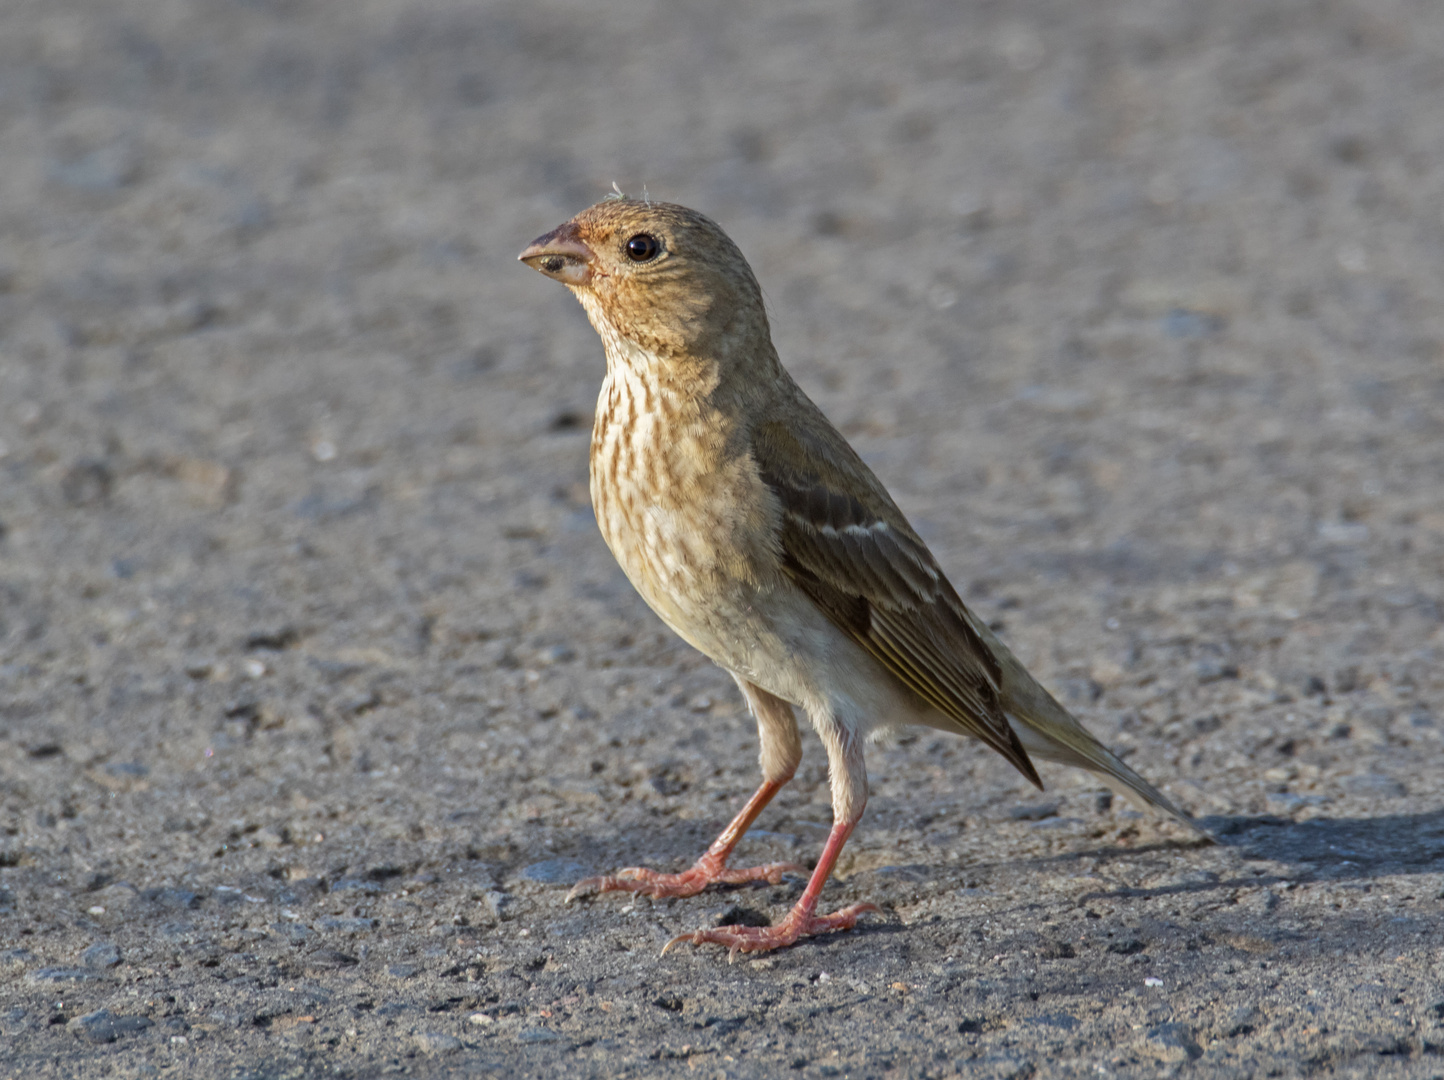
318	687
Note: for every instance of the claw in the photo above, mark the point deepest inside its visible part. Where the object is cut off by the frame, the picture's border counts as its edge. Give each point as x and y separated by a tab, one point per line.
796	926
667	947
585	887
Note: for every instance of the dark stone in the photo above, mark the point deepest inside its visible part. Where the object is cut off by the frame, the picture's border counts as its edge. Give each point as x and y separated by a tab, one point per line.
737	915
1062	1021
1211	670
496	902
103	1026
1373	784
570	420
86	483
355	884
101	171
99	956
273	640
331	959
1182	323
1177	1035
61	974
1244	1021
436	1042
170	897
554	871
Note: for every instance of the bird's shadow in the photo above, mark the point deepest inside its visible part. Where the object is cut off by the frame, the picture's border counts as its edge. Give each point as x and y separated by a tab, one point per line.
1320	849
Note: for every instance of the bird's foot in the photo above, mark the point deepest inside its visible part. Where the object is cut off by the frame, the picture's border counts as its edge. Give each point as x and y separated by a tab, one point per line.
789	931
708	870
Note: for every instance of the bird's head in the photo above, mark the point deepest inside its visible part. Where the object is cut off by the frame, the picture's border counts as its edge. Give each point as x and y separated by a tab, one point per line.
665	278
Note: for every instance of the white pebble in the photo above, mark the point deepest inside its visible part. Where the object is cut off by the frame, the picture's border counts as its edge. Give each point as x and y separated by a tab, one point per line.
1352	258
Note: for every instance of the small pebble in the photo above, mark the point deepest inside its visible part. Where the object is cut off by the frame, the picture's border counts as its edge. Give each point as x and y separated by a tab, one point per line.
103	1026
436	1042
496	902
103	955
554	871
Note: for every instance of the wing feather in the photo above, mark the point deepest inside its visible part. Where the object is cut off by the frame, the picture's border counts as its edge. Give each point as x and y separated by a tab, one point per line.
877	581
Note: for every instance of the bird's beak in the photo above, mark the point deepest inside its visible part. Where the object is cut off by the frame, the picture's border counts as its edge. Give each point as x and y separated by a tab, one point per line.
561	255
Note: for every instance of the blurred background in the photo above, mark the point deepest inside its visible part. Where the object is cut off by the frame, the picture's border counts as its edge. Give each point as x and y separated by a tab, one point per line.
1133	305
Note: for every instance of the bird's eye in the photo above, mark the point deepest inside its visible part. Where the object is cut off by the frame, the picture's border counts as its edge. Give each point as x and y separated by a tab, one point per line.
642	247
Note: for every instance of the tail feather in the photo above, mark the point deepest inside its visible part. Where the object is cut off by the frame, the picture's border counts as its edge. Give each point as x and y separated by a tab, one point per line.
1049	731
1070	744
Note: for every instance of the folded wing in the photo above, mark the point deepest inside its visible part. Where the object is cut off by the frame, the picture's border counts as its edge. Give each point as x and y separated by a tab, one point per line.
877	581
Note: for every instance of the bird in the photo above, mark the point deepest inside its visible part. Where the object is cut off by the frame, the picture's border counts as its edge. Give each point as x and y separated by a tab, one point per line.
754	530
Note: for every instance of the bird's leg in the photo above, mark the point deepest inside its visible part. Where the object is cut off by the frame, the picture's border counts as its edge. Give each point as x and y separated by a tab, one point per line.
802	921
781	752
849	797
710	869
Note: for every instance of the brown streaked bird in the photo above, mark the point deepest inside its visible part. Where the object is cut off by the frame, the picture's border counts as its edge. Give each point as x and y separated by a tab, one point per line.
756	532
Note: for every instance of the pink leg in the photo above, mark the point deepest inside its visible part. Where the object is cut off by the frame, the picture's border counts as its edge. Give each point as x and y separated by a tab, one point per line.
709	869
800	922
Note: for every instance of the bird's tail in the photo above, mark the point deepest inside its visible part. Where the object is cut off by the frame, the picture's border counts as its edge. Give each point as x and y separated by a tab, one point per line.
1058	737
1049	731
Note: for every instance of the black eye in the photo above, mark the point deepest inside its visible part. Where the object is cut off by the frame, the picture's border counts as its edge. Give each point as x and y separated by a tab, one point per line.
642	247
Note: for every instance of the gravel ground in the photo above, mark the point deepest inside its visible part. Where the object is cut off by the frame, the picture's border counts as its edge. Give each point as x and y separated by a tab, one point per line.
318	686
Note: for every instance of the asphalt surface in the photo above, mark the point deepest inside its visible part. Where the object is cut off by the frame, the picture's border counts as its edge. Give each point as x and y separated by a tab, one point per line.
318	687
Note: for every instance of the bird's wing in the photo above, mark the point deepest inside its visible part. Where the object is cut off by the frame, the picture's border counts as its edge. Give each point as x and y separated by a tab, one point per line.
876	580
